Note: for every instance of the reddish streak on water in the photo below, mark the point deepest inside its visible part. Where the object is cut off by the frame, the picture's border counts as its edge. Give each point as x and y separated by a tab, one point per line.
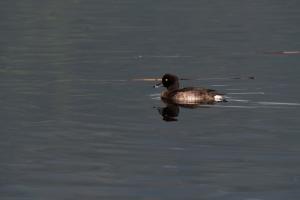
283	52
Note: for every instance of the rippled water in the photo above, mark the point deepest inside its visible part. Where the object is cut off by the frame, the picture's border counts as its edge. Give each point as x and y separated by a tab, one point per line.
75	125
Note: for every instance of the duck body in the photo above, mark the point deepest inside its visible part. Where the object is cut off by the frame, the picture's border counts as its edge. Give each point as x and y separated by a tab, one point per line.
191	95
188	95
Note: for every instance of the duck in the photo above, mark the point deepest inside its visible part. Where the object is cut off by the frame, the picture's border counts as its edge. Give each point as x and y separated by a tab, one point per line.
188	95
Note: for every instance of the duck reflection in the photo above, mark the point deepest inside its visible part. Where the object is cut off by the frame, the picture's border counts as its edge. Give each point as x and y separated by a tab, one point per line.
171	110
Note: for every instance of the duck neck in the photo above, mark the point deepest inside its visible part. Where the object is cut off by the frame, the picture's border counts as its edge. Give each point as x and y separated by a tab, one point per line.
173	87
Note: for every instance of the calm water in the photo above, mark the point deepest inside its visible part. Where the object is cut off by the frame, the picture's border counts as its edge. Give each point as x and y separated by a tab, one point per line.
75	126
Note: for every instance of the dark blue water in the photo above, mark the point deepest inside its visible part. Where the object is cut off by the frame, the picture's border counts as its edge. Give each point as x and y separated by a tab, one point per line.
74	125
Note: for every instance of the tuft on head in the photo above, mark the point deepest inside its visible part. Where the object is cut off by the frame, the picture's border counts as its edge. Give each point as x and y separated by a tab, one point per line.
170	81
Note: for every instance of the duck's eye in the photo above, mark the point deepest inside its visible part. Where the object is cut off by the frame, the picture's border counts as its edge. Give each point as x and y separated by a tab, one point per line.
166	80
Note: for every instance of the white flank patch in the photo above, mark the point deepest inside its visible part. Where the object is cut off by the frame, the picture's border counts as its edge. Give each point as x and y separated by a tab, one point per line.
218	98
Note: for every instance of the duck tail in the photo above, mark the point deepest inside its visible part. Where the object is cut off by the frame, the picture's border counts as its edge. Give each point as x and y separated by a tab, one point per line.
220	98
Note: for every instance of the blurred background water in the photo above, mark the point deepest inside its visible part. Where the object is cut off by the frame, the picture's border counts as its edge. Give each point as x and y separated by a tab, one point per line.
75	126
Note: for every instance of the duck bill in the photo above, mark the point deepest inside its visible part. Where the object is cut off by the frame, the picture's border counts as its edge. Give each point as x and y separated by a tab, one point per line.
157	85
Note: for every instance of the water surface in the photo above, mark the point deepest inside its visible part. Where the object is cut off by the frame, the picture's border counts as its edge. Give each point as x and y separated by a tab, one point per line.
75	126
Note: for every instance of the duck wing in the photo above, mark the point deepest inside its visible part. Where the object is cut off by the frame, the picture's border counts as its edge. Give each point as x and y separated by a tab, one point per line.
198	90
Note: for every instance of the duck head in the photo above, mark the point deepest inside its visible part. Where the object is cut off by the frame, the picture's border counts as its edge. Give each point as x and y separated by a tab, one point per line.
170	81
